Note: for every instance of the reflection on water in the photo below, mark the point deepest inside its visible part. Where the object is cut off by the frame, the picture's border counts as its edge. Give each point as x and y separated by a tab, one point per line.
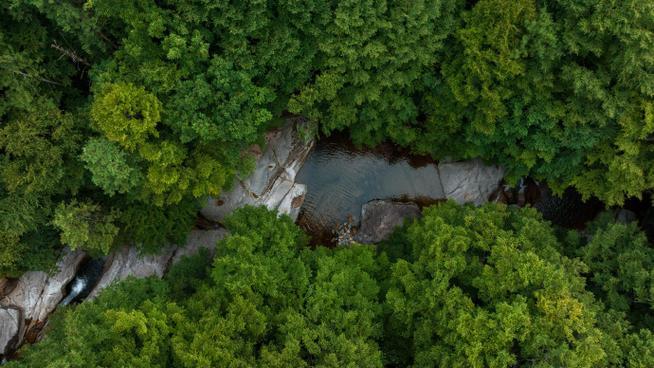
340	179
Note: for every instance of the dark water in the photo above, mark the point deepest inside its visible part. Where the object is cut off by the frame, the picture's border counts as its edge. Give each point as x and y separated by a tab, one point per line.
341	178
86	278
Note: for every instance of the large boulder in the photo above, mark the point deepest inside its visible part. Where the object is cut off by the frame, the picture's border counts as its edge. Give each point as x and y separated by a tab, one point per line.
11	322
379	218
53	291
272	184
37	294
469	181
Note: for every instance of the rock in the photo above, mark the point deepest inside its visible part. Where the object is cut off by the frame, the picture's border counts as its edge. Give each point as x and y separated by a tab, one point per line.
272	184
379	218
199	239
36	294
625	216
10	324
53	291
469	181
127	261
344	234
293	200
6	286
26	296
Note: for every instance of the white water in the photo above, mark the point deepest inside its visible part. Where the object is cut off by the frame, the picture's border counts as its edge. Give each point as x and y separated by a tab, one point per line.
78	286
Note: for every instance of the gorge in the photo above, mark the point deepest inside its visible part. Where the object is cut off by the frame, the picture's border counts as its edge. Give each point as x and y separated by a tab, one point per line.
322	185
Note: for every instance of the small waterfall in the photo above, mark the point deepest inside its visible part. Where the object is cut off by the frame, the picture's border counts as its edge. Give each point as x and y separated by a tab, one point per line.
79	283
87	276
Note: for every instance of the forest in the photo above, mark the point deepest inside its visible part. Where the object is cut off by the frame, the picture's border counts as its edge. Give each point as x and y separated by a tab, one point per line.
118	118
492	286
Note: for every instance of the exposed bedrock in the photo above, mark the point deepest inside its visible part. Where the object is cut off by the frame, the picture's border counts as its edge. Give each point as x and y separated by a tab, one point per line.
272	183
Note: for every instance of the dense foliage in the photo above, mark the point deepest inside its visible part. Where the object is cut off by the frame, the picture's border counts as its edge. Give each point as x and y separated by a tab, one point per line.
462	287
115	111
265	301
489	287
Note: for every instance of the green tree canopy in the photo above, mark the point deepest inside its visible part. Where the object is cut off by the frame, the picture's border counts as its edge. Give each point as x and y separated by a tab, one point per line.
620	267
487	287
137	104
267	302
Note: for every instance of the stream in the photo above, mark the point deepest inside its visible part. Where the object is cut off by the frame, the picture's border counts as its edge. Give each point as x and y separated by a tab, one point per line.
341	178
87	276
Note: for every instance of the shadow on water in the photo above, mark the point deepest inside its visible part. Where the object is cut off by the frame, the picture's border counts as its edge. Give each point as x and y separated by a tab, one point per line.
340	178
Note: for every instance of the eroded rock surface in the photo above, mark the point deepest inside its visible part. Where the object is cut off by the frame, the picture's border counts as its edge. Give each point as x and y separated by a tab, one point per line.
53	291
199	239
469	181
127	262
272	184
10	324
379	219
36	294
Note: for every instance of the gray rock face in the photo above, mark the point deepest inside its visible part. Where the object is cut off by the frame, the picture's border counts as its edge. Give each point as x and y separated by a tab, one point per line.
199	239
6	286
272	184
53	291
27	294
469	181
10	324
127	261
379	218
36	294
625	216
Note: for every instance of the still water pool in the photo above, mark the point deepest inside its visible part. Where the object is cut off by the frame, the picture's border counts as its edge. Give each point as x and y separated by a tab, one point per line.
340	178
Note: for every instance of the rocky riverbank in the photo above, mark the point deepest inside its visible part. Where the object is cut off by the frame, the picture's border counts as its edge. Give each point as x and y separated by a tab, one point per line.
26	302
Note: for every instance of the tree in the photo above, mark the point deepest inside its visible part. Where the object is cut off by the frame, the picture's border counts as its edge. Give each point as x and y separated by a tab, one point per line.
110	167
271	305
465	287
620	262
487	287
129	324
85	226
559	90
126	114
267	302
371	66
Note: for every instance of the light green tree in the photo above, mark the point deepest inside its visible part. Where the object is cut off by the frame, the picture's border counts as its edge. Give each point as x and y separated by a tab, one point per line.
487	287
85	226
